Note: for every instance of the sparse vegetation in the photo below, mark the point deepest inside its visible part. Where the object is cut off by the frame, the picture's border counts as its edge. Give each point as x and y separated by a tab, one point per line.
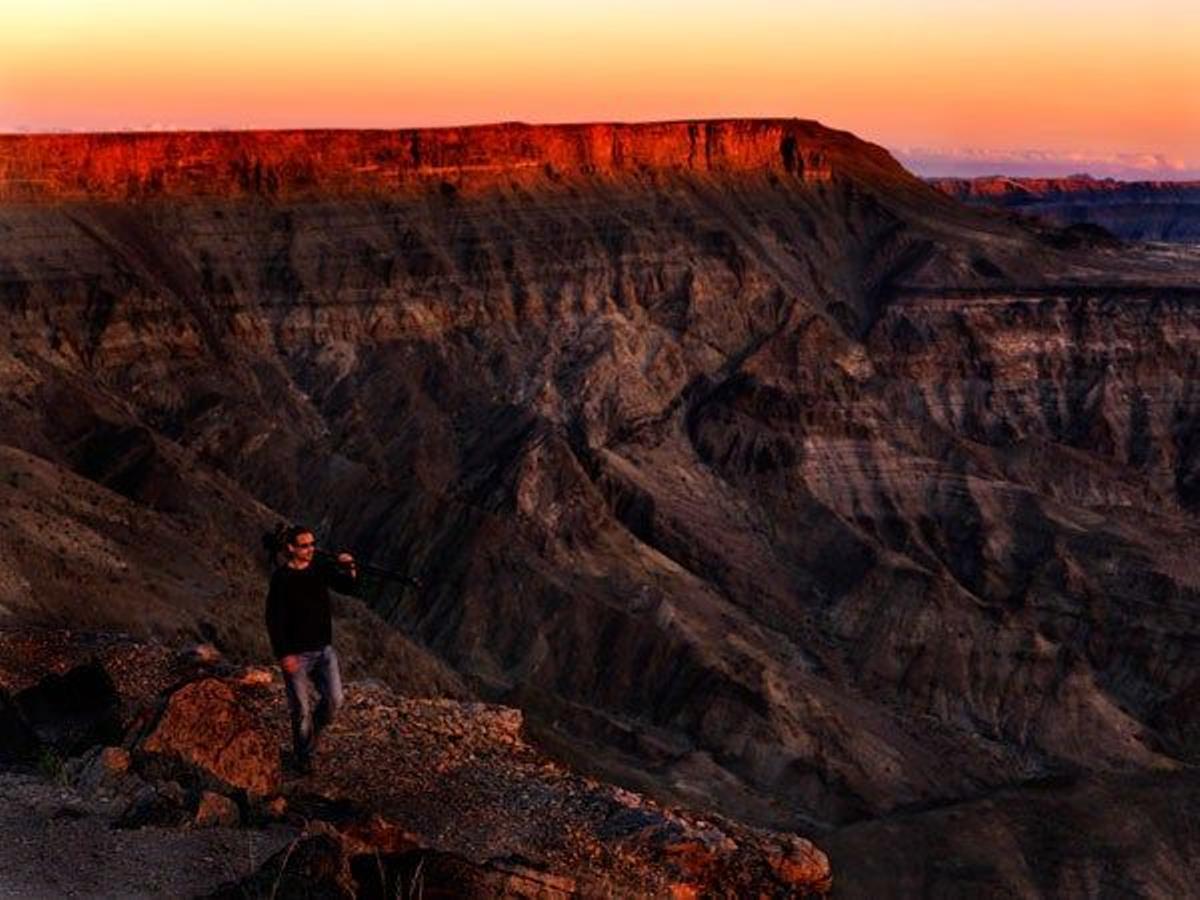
283	867
416	884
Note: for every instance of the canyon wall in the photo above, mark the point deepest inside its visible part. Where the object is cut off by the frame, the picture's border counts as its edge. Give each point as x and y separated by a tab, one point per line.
322	163
1134	210
820	498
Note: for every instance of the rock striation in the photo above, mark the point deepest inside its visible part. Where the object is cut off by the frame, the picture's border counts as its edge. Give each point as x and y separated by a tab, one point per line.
322	163
1134	210
814	500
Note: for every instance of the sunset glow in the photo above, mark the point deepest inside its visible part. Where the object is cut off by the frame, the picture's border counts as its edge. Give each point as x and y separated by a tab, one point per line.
1099	80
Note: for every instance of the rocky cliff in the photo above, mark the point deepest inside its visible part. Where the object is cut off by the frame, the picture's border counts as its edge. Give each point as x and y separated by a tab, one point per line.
756	472
1135	210
290	165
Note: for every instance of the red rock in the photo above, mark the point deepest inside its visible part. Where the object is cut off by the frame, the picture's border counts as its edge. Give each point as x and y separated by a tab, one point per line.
514	880
202	654
114	760
216	810
378	834
803	866
206	727
347	163
692	858
256	675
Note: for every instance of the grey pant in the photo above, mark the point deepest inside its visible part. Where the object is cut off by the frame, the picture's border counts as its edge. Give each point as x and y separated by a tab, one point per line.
314	693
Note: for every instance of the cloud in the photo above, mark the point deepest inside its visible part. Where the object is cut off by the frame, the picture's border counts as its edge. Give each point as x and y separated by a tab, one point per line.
974	161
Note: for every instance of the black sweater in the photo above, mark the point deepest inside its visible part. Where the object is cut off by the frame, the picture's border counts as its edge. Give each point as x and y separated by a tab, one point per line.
298	611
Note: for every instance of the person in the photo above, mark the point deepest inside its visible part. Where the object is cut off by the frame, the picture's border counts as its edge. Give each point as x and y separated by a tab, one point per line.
300	626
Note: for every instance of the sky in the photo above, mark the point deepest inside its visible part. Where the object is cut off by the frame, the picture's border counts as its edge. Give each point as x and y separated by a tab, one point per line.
964	87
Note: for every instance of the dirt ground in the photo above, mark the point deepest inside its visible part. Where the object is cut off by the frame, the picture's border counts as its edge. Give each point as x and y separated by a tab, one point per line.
54	844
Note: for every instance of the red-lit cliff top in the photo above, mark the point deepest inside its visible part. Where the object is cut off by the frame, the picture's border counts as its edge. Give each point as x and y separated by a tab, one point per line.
994	186
135	166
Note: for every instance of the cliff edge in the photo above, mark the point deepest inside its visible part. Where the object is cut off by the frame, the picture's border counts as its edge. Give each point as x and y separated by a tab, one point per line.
292	164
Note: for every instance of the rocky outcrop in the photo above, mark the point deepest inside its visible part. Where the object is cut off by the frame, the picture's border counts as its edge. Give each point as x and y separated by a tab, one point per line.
1020	189
437	792
60	714
207	726
323	163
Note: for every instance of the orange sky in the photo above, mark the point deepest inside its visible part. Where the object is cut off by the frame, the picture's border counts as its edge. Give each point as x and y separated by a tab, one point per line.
1092	80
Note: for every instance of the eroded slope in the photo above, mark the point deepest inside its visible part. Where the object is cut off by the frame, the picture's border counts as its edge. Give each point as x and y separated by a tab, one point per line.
797	489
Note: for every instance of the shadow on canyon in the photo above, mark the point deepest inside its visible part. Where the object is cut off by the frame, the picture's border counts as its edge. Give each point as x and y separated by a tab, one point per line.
767	479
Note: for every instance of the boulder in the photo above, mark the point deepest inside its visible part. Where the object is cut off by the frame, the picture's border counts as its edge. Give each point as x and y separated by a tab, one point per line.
275	808
216	810
207	730
163	805
204	654
801	865
99	769
72	711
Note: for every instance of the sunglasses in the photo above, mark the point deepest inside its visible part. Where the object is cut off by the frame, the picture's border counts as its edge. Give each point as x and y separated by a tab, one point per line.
304	545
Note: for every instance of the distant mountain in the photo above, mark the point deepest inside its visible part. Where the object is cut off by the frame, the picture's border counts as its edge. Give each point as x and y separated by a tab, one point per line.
757	472
1133	210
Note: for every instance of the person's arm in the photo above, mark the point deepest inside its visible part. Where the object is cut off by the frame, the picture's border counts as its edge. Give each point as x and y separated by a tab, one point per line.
343	577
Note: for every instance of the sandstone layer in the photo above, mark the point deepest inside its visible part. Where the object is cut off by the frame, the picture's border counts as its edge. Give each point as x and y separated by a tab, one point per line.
818	498
314	164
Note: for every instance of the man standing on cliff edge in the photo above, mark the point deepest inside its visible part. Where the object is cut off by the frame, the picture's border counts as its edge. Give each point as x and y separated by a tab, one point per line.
300	625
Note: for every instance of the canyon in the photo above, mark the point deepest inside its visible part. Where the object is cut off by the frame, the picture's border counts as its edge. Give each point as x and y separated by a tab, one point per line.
1133	210
760	475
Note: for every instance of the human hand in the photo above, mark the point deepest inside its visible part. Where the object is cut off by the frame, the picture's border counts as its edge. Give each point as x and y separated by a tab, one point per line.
290	664
346	561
